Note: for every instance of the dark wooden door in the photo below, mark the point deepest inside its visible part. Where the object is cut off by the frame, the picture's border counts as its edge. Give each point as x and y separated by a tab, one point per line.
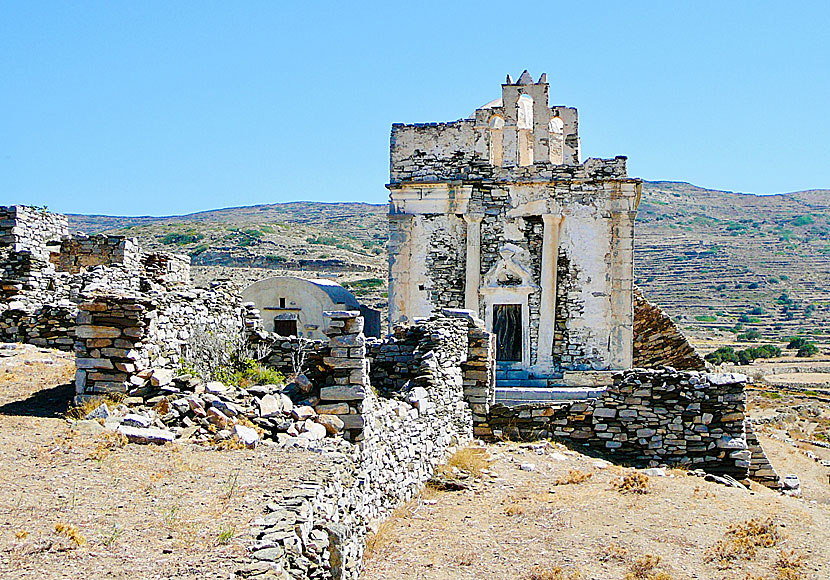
285	327
507	326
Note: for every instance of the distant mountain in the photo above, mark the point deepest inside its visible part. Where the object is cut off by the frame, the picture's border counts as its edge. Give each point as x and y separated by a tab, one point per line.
721	263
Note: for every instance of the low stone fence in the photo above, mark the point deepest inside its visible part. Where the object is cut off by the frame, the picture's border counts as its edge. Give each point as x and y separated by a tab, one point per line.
119	337
647	418
50	325
318	530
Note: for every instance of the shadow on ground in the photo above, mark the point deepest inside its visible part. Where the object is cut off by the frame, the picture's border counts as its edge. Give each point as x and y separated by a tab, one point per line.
48	403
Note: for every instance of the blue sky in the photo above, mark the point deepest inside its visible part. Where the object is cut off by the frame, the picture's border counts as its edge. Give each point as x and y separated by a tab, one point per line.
156	108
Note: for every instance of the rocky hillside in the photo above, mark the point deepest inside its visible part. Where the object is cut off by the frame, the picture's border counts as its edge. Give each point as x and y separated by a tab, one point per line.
723	264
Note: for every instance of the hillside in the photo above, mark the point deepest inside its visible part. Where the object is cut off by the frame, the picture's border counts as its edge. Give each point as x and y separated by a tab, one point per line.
720	263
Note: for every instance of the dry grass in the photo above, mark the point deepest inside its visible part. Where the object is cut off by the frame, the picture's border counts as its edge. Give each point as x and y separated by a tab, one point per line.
555	573
470	459
615	552
743	540
634	482
106	443
71	532
81	411
574	476
384	535
645	568
790	566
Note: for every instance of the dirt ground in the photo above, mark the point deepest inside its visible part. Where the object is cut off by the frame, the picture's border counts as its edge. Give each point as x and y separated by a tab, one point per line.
518	523
80	506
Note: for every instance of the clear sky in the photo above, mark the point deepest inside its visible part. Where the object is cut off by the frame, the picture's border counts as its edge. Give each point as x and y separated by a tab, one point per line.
157	108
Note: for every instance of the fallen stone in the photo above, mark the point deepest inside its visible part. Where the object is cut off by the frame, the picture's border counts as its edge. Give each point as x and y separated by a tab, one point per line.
100	412
269	405
302	413
87	427
215	387
249	437
332	423
161	377
134	420
144	436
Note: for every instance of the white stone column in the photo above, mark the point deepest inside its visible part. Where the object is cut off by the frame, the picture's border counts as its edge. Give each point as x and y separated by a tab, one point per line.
473	262
547	306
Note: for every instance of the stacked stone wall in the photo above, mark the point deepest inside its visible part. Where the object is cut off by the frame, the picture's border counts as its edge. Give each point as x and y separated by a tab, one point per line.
318	530
120	338
658	341
81	252
167	269
25	228
51	325
760	469
647	418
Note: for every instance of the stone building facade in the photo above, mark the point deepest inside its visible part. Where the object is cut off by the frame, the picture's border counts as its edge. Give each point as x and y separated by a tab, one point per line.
497	214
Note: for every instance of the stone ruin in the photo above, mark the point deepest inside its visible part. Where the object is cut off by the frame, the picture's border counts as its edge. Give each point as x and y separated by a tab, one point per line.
494	214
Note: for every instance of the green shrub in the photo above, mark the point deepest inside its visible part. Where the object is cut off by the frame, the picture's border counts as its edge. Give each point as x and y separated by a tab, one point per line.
706	318
750	335
180	238
803	220
808	350
723	354
796	342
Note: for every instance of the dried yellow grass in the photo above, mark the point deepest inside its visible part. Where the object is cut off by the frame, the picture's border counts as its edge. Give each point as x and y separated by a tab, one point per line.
555	573
634	482
743	540
574	476
71	532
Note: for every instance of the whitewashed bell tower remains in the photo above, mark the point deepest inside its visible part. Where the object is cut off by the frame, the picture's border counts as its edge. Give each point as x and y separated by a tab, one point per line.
497	213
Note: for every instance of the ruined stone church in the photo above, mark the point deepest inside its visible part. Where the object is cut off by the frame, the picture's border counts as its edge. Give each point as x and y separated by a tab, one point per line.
497	213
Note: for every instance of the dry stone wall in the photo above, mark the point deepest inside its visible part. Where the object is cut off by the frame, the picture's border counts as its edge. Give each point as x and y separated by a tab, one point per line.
658	341
647	418
760	469
121	337
25	228
318	529
82	252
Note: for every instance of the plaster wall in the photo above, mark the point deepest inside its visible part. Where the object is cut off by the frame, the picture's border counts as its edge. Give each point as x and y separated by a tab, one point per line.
305	302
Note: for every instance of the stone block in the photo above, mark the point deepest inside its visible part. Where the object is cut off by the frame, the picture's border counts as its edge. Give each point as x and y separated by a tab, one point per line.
342	393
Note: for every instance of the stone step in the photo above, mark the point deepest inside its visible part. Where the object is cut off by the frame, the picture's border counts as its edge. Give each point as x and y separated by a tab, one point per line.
525	382
519	396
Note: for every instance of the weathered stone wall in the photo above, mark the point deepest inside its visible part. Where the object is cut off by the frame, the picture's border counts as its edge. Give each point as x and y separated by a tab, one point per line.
760	469
81	252
25	228
119	338
658	341
647	418
167	269
51	325
318	530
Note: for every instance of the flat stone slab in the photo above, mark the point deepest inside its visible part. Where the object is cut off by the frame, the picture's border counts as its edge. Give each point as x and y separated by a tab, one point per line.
145	436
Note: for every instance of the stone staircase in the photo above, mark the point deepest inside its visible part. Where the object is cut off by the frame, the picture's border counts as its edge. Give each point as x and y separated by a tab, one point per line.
520	387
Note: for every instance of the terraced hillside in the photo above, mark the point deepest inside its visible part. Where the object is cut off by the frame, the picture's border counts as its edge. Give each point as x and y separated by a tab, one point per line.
722	264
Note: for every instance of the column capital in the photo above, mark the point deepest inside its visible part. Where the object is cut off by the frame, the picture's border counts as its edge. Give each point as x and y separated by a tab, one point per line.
550	218
473	218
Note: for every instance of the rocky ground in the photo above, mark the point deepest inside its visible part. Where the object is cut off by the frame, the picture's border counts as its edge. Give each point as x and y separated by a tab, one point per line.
74	505
516	523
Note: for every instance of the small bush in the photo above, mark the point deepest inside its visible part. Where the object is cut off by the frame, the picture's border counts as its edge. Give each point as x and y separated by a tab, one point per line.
555	573
634	482
71	532
808	350
470	459
645	568
574	476
742	542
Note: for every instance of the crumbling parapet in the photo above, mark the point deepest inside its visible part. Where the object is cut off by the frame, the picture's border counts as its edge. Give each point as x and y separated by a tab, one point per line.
648	417
29	229
760	469
81	252
658	341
